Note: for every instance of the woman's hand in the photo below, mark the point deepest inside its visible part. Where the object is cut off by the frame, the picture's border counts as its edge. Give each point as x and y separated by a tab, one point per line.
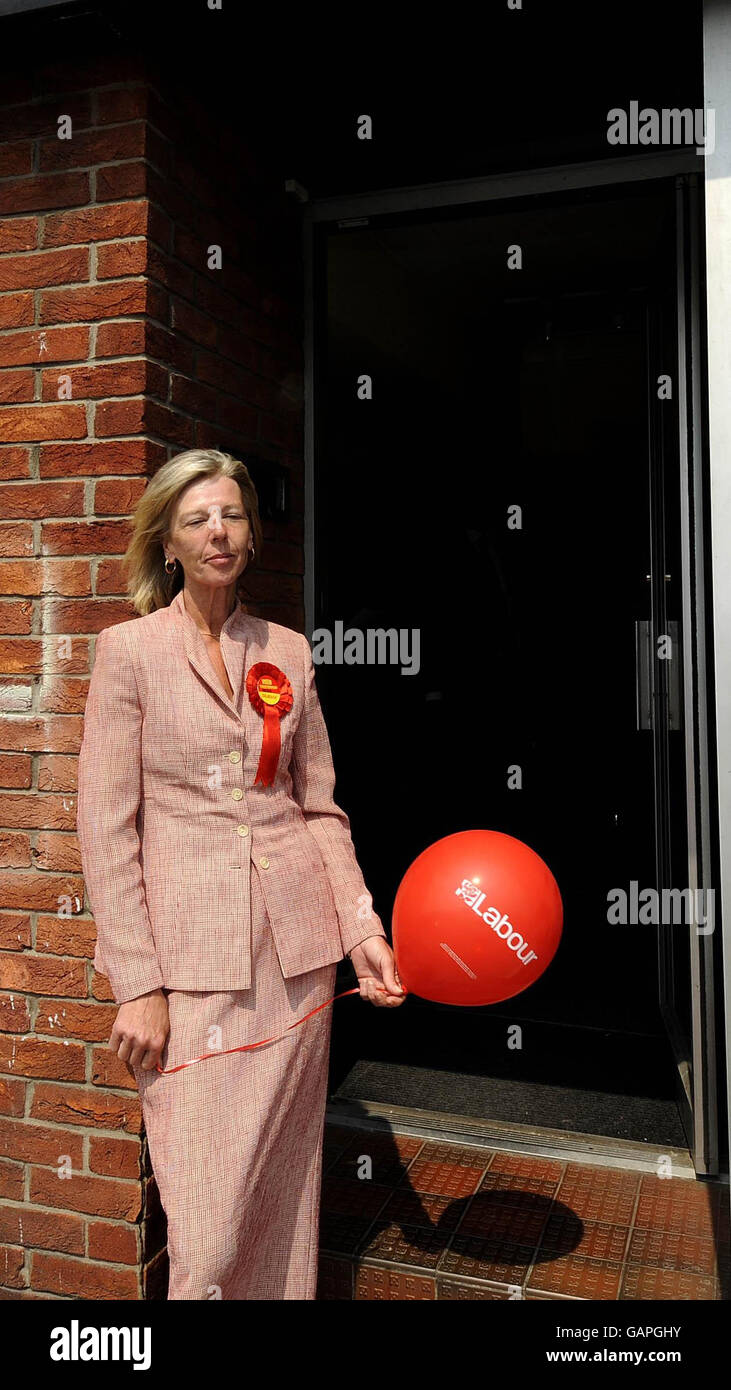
378	977
140	1030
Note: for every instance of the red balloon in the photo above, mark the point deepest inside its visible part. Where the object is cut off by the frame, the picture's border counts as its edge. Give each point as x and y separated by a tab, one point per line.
477	918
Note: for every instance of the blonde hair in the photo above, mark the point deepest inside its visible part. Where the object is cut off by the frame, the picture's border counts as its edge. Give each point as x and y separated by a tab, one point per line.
149	586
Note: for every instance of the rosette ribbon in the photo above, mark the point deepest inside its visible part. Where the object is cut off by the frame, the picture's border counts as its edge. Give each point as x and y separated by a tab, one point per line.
271	695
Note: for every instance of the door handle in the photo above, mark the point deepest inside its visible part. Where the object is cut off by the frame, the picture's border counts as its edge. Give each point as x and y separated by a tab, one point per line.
645	658
674	674
643	674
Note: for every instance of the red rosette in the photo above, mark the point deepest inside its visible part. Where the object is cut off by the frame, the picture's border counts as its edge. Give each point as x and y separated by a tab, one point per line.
271	695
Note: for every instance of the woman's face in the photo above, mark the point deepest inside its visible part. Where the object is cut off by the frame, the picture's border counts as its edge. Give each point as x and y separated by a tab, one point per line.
208	520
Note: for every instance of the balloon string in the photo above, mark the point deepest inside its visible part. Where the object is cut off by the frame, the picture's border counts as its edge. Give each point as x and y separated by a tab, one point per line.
165	1071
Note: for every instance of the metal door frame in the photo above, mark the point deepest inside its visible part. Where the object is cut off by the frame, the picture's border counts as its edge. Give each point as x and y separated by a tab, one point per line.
695	668
352	209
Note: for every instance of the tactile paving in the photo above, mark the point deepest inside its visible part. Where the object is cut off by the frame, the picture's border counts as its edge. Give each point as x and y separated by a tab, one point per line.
374	1284
405	1245
446	1179
493	1220
577	1278
675	1250
651	1282
438	1220
422	1209
566	1233
677	1205
503	1262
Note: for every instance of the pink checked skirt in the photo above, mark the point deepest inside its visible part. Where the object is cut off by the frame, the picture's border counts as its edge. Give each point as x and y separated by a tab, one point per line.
236	1141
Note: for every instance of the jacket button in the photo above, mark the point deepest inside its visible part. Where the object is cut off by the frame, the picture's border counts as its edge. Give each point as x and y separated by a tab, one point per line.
242	829
234	757
264	862
237	793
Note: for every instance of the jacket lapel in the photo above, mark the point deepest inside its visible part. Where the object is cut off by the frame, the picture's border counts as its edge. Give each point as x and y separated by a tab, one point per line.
235	638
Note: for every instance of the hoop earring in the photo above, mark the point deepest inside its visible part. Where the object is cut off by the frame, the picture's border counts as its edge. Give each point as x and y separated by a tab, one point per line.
252	551
170	566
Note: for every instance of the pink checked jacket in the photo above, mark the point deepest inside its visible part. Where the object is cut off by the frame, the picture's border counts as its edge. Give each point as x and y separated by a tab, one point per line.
170	822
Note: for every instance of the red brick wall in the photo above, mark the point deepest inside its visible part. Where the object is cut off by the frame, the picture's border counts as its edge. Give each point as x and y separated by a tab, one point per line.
118	347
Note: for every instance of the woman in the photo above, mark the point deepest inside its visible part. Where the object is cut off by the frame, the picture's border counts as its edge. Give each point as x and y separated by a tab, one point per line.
224	886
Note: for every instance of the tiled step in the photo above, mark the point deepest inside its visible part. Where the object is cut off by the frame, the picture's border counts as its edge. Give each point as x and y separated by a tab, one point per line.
408	1217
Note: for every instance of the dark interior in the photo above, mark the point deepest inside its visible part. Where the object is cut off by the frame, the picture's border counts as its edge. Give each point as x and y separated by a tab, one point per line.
494	388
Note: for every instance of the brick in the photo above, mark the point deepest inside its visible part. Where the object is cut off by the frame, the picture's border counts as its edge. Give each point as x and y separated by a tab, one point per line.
170	348
132	456
31	810
57	852
111	577
32	735
84	615
70	1278
14	462
39	1057
82	1193
114	1242
15	159
122	340
14	1017
12	1096
92	302
56	774
12	1267
16	538
114	1157
38	268
193	398
16	309
42	191
35	577
42	499
122	105
120	417
88	538
35	1229
88	1021
43	1144
41	118
61	696
14	931
100	986
92	147
84	1105
14	851
106	223
108	1070
117	496
42	974
12	1180
129	180
64	936
122	258
43	422
99	381
42	345
16	386
200	327
16	617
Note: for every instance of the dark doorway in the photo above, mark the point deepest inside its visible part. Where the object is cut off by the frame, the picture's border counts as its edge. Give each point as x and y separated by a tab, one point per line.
496	389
